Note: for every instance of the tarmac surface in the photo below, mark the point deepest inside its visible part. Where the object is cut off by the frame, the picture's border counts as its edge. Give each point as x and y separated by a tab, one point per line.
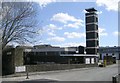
80	75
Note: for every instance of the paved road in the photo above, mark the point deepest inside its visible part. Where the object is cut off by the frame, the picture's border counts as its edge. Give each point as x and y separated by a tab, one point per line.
83	74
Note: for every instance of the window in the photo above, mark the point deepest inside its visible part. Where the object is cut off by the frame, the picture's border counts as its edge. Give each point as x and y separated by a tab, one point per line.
87	61
91	51
92	61
91	27
96	19
90	19
91	43
100	56
91	35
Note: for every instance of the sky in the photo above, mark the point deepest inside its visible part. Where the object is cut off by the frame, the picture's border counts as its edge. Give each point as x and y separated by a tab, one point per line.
63	22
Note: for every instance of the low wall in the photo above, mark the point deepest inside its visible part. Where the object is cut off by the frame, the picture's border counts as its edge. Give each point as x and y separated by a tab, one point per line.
51	67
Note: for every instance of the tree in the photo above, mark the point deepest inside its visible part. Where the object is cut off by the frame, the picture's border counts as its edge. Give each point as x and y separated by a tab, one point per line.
17	22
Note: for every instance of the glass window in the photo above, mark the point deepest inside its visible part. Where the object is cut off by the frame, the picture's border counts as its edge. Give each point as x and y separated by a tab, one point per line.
90	19
91	35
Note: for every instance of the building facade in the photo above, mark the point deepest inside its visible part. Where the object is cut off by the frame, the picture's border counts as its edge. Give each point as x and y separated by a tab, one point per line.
109	51
58	55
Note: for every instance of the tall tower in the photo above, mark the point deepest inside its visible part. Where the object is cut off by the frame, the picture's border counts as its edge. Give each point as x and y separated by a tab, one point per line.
92	40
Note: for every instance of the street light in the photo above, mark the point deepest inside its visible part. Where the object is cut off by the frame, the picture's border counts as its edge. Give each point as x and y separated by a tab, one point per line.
27	59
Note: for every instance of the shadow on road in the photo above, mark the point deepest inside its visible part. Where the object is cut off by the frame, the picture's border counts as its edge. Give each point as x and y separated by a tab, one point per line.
39	81
54	81
33	81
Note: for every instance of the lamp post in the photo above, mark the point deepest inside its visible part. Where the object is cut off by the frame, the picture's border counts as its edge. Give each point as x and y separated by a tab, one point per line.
27	61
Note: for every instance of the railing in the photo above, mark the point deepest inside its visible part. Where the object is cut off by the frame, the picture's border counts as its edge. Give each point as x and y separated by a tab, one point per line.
115	78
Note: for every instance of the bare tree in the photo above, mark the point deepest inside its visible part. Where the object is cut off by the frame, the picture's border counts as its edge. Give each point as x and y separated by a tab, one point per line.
18	22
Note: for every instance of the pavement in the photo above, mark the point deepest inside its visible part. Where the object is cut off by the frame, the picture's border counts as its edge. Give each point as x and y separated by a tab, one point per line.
79	74
42	72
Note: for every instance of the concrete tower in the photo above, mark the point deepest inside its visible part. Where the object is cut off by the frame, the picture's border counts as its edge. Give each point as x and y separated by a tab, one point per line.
92	40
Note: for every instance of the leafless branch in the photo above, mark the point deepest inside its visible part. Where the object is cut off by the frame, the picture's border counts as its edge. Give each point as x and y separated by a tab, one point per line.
18	22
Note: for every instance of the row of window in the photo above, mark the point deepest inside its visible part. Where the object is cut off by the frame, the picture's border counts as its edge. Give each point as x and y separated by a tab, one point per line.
92	43
92	27
92	35
49	53
91	19
110	50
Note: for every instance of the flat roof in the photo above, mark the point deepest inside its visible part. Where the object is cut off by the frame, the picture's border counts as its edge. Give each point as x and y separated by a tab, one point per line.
91	10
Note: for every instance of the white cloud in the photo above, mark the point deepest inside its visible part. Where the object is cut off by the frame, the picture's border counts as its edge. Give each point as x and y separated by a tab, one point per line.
51	34
64	18
74	34
72	44
43	3
56	39
102	32
50	29
84	11
108	4
76	25
116	33
99	12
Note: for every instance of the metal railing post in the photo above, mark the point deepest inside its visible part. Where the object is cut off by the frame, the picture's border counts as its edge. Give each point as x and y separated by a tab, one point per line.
27	72
114	79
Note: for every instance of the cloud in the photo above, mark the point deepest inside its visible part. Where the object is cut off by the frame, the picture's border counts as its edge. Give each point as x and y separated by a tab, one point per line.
76	24
74	34
56	39
50	29
84	11
51	34
102	32
65	18
108	4
43	3
116	33
99	12
76	44
71	44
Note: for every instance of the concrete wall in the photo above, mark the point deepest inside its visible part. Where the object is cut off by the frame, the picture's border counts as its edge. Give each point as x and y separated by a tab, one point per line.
51	67
8	66
19	57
